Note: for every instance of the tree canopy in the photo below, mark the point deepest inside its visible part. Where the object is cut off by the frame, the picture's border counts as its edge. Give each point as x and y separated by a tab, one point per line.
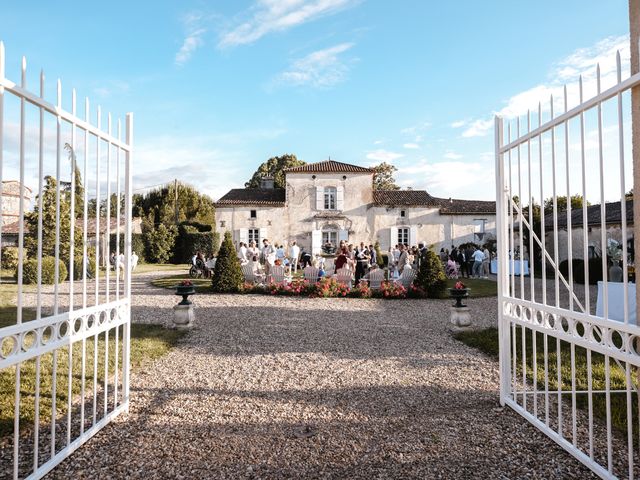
576	202
383	177
159	206
274	167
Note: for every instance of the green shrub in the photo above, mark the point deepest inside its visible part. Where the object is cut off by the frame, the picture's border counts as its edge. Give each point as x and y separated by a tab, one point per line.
159	243
227	275
188	242
9	258
216	243
595	270
77	263
30	271
430	276
137	245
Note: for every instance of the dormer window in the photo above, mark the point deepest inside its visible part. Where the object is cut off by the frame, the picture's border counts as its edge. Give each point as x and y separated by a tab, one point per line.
330	194
403	213
253	214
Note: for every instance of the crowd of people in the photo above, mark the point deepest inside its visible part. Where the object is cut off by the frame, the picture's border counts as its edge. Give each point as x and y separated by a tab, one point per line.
466	261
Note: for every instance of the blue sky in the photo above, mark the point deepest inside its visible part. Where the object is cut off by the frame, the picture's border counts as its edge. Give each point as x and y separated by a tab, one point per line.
218	87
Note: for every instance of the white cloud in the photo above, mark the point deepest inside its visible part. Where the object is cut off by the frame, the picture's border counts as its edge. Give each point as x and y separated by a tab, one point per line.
567	71
414	129
452	156
478	128
378	142
474	181
112	87
412	146
322	68
191	43
384	155
268	16
459	124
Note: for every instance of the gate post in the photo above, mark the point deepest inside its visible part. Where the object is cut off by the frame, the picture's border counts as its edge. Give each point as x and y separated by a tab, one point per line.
503	337
634	30
128	206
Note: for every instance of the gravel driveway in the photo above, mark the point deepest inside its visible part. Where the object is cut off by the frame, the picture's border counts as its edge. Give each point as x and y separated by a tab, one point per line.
281	387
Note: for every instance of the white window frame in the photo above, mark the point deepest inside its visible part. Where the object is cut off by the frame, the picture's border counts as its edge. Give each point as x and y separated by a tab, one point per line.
253	235
403	235
330	198
330	235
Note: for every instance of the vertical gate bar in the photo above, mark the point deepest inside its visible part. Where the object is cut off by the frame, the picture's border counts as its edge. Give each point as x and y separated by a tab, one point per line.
546	379
36	416
108	255
555	209
85	264
531	231
514	344
71	261
16	424
56	288
521	225
97	232
501	226
119	203
623	197
574	431
567	174
40	188
23	83
603	214
585	223
607	379
590	400
54	384
629	386
520	247
126	340
543	236
97	292
512	280
534	359
555	268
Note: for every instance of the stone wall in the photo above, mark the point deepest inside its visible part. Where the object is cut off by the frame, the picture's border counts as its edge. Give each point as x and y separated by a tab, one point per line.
11	201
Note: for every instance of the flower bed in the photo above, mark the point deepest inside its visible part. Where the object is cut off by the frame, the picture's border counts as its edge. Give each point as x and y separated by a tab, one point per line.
331	288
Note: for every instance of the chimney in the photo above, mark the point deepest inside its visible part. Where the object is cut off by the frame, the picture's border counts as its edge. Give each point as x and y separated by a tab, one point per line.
267	182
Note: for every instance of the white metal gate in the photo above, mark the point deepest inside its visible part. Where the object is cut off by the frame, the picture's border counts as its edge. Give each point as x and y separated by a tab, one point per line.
570	352
64	348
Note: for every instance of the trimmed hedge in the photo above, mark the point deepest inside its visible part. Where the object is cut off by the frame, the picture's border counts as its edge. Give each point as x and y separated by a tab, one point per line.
595	270
30	271
188	243
9	258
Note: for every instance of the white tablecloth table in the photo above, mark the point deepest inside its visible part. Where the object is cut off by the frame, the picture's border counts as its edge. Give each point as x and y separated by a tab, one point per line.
615	296
514	266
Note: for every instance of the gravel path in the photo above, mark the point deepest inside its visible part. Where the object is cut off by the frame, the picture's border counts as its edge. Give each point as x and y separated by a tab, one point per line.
281	387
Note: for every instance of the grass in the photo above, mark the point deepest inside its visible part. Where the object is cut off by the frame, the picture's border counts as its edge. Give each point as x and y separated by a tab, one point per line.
148	342
479	287
156	267
202	285
487	342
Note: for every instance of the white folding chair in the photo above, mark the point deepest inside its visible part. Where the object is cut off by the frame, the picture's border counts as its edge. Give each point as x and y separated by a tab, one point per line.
311	274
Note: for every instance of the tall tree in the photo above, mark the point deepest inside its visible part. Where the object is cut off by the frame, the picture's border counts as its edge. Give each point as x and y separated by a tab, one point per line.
576	202
162	206
274	167
383	177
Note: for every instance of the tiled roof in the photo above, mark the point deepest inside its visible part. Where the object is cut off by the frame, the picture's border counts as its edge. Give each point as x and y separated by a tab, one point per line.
329	166
253	196
416	198
420	198
455	206
613	215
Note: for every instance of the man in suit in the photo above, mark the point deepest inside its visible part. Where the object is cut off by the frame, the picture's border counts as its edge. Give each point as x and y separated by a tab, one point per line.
362	258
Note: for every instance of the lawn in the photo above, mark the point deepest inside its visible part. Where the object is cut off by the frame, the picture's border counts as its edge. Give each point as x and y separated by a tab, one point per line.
487	342
202	285
148	342
478	287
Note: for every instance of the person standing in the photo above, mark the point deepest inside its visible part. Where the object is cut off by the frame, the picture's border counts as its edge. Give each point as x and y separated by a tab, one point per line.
468	254
361	261
294	255
478	258
268	255
462	267
373	257
486	263
403	259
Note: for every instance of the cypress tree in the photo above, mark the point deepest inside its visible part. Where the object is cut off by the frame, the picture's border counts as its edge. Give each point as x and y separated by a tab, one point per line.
227	274
431	275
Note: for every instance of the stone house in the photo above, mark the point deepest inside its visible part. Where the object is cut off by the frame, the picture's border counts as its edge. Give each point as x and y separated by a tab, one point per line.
331	201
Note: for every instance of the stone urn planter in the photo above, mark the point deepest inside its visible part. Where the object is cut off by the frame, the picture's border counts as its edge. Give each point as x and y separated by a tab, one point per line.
460	314
183	315
458	294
